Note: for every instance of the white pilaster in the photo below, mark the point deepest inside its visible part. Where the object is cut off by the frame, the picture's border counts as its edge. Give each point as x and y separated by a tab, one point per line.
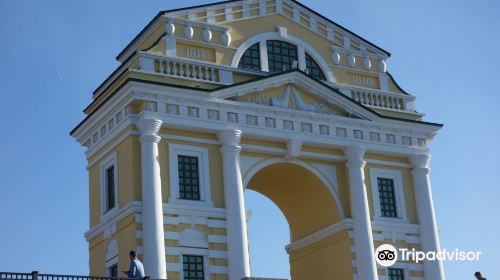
264	66
237	242
302	58
363	239
152	211
426	217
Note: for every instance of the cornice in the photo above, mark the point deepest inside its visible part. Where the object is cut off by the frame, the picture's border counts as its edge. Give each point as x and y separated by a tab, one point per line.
331	26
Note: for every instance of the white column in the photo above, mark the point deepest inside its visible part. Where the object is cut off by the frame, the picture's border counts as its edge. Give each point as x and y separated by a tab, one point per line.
237	242
363	239
426	217
152	206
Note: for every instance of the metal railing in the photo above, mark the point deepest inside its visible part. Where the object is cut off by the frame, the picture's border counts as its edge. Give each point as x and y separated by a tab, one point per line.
39	276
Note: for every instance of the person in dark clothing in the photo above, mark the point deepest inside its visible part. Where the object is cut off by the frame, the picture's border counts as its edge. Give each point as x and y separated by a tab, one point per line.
479	276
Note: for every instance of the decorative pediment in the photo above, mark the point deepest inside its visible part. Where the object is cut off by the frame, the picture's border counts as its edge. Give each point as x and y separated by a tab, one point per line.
294	90
290	97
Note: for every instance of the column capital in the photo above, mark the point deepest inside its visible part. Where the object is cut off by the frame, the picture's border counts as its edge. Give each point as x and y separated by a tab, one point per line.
420	162
149	129
230	137
354	156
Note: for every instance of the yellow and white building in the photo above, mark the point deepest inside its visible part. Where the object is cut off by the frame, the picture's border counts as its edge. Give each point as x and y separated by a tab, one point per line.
267	95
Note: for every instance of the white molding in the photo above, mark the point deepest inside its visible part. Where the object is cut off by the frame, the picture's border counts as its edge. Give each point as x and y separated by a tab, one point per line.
397	178
189	139
387	125
198	210
105	140
291	39
202	216
330	173
319	235
111	160
130	208
247	162
174	150
111	251
385	226
388	163
193	238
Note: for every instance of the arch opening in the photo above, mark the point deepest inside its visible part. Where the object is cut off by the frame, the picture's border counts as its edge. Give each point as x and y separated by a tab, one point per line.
268	228
303	198
309	205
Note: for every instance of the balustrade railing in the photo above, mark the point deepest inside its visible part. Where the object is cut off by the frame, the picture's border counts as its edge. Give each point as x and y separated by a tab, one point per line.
380	99
186	69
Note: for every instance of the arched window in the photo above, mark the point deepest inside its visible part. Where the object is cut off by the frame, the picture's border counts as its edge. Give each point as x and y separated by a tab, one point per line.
313	70
280	55
250	58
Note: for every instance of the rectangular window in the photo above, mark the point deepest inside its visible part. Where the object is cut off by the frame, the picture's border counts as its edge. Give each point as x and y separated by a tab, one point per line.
189	184
387	197
193	267
110	187
396	274
113	271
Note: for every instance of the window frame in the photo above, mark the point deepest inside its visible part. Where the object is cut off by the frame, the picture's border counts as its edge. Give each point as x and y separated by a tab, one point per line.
387	190
174	150
253	67
322	76
108	269
400	265
395	268
190	164
396	177
204	262
271	53
111	160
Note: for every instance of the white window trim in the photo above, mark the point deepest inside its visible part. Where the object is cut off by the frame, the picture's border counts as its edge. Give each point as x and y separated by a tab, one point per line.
195	252
110	263
112	257
174	150
105	164
396	176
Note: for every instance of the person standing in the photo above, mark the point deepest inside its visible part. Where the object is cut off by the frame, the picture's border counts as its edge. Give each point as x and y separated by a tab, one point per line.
479	276
136	269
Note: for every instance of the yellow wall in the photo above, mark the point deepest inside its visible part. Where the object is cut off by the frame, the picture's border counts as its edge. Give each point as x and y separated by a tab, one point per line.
305	214
124	236
129	176
411	210
324	260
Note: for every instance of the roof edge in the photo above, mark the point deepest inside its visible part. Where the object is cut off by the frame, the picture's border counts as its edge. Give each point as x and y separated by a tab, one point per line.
161	13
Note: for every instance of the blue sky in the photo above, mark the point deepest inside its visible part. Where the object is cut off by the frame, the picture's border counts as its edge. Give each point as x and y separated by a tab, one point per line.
53	54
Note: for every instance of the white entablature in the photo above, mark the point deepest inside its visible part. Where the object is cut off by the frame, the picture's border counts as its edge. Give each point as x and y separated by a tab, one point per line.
212	112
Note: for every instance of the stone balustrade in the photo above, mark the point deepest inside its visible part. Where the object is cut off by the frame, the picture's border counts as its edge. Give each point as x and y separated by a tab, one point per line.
187	69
